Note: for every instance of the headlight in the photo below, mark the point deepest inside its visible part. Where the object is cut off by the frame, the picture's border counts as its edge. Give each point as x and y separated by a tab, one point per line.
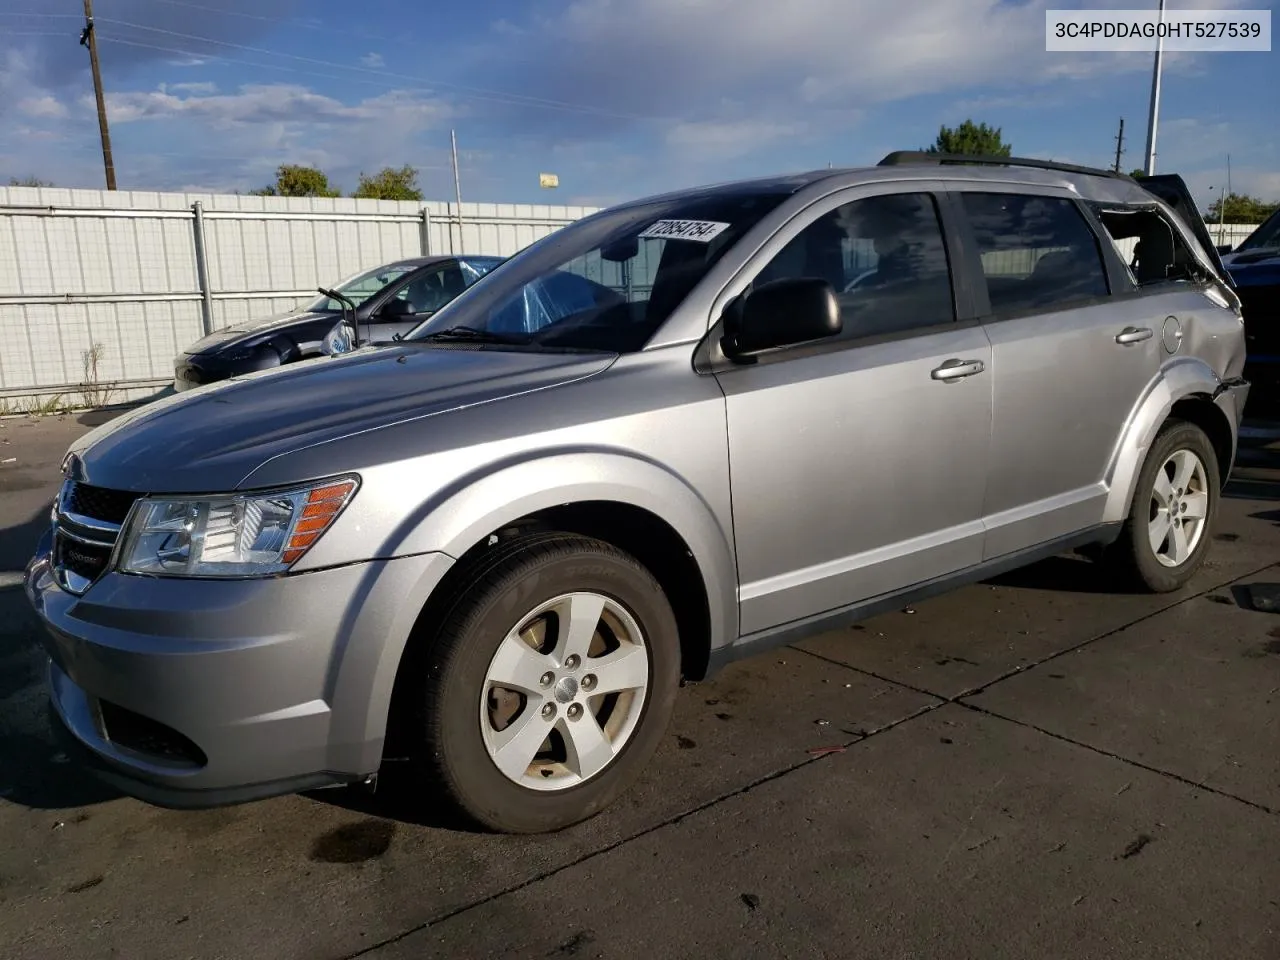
238	535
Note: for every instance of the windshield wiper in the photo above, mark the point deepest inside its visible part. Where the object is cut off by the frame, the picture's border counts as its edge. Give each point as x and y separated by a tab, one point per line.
470	335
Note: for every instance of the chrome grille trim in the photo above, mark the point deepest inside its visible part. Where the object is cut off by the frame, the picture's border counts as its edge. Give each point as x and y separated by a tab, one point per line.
71	527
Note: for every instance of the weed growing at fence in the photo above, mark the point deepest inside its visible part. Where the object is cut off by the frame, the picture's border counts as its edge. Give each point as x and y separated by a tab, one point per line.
93	391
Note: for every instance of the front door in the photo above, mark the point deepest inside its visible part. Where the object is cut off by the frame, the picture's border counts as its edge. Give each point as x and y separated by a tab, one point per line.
858	465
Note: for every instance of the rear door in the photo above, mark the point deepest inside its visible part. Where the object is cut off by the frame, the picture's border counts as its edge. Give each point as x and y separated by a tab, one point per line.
1070	361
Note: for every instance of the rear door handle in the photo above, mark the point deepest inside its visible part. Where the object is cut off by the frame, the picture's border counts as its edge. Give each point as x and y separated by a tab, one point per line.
955	369
1134	335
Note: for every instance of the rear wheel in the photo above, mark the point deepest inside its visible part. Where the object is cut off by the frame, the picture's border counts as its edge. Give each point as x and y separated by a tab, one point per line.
549	684
1167	533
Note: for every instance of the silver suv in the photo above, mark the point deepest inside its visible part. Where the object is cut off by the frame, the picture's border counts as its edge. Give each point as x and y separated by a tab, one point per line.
673	433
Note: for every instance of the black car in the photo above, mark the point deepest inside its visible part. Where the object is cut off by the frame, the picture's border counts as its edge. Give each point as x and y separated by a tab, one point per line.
391	299
1255	269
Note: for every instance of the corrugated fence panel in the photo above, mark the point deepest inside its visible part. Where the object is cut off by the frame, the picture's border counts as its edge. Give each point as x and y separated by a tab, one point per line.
103	286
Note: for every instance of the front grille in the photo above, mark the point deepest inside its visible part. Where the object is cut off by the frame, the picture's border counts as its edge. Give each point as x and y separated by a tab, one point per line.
98	503
140	734
87	525
83	559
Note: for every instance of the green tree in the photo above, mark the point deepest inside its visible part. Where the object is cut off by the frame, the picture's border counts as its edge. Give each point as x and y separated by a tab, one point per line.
293	180
28	182
390	184
971	140
1240	208
1138	174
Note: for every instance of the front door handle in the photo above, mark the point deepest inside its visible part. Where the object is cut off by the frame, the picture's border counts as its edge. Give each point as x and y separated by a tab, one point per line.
955	369
1134	335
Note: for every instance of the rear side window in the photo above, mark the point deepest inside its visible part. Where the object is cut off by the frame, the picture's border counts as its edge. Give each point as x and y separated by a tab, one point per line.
1038	253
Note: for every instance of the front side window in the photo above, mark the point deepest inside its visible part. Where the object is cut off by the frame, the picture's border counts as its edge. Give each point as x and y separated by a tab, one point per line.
432	289
361	287
604	283
885	258
1038	253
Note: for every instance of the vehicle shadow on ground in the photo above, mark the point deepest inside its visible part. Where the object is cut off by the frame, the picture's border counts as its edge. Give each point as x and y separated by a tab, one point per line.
1251	488
399	798
1068	573
97	416
34	772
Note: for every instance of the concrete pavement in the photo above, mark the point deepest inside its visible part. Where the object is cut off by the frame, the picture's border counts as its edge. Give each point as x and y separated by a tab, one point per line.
1036	766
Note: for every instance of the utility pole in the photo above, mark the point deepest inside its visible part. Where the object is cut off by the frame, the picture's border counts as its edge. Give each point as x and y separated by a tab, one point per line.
457	184
1153	117
88	38
1119	145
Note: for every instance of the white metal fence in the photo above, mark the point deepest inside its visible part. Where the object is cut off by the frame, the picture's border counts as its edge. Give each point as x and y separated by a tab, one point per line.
99	290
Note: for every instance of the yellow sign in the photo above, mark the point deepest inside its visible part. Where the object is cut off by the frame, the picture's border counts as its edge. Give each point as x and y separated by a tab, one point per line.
548	180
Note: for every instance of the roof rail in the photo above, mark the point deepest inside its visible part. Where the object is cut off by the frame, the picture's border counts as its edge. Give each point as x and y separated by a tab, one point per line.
902	157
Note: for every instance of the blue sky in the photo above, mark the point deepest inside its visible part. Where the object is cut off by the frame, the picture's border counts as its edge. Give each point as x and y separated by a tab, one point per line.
620	98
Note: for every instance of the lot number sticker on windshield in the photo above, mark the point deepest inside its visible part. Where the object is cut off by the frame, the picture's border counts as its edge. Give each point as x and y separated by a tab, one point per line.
704	231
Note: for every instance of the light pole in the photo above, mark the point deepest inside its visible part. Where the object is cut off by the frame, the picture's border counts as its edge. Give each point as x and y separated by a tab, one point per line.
1153	118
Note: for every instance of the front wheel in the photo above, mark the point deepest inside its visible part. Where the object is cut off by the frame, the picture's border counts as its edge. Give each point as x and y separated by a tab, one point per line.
549	685
1166	536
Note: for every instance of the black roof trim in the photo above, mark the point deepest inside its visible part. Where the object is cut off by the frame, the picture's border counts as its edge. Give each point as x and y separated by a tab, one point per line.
903	157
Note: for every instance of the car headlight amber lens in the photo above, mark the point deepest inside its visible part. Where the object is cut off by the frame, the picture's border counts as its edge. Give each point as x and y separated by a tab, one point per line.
238	535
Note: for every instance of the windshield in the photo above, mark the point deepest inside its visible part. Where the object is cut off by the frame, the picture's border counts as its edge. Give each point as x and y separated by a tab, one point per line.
1267	235
607	282
361	287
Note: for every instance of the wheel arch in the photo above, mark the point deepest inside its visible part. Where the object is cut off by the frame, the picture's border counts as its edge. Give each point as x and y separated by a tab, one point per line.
1186	390
633	504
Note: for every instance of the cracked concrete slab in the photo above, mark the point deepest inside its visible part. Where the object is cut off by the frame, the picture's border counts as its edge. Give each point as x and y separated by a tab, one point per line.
1186	691
955	835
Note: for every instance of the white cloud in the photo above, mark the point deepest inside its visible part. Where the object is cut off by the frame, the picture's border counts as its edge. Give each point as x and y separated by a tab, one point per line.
724	139
196	88
272	103
373	61
45	106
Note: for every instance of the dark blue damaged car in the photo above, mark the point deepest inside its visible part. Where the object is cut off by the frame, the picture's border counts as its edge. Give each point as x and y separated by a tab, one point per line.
1255	269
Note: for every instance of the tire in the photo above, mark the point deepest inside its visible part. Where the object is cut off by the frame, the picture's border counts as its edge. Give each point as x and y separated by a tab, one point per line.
475	733
1165	567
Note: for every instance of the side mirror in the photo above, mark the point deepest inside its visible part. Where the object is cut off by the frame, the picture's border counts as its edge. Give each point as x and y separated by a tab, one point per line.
396	308
1225	248
781	313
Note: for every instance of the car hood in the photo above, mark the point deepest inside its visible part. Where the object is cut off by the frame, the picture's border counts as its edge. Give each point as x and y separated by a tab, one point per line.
241	331
1254	267
212	438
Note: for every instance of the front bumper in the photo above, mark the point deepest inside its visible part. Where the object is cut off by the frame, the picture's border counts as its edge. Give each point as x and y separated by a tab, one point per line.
199	693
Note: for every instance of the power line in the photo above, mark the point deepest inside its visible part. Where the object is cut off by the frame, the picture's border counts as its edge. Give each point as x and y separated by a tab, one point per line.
229	13
262	18
478	93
